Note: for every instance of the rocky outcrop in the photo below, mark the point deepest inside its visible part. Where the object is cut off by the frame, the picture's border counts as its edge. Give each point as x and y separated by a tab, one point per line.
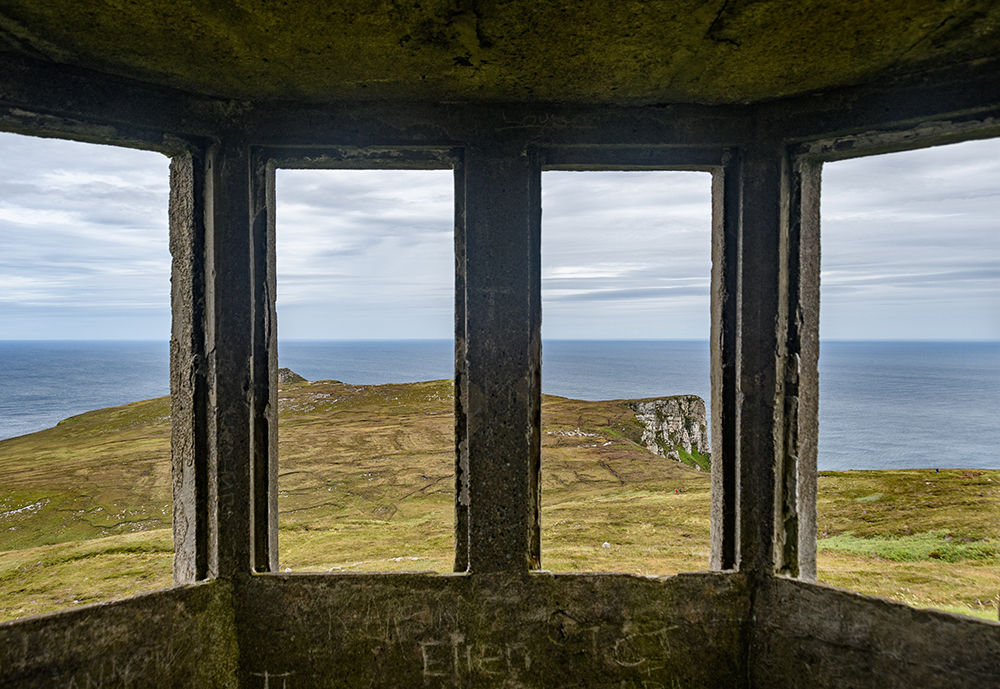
287	375
675	428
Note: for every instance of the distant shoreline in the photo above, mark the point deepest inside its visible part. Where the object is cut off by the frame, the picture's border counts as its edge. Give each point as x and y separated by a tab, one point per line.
883	404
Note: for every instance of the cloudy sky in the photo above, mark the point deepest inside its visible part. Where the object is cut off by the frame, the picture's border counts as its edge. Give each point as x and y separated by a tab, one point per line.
911	248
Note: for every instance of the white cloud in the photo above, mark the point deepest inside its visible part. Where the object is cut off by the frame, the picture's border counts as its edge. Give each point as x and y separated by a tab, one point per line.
911	248
83	241
365	253
626	255
911	244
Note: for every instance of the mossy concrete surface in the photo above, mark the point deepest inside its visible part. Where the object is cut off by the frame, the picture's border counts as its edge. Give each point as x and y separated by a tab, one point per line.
808	635
182	637
541	630
637	52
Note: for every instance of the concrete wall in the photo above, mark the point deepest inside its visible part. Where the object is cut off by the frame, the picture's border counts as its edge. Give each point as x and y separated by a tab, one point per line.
411	630
184	637
809	636
392	630
497	624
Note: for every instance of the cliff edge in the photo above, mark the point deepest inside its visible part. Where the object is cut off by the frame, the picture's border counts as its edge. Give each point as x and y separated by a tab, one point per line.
675	428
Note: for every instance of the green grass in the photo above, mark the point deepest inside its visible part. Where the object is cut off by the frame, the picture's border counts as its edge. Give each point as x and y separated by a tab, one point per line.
930	545
366	484
928	538
695	459
55	577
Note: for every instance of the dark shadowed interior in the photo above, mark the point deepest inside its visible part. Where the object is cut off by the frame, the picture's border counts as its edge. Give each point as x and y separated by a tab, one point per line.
760	93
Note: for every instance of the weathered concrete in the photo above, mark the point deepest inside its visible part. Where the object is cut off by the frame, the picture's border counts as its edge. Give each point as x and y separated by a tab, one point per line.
188	384
229	321
758	93
411	630
724	338
461	382
264	415
502	387
180	638
801	210
761	314
809	635
719	51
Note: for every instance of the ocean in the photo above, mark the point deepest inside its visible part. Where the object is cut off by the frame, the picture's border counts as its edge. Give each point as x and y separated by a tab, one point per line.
883	405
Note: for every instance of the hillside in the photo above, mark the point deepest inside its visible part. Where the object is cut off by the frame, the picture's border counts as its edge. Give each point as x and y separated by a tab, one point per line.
366	484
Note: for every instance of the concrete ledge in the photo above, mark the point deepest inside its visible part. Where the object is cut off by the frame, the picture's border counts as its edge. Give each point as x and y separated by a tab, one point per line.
811	635
181	637
540	630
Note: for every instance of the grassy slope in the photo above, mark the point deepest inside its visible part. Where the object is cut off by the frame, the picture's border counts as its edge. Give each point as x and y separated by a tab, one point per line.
366	484
380	496
927	538
102	473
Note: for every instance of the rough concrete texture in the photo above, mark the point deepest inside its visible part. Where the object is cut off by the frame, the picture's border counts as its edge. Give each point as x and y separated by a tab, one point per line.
184	637
187	385
411	630
502	86
502	359
809	635
654	51
672	423
590	630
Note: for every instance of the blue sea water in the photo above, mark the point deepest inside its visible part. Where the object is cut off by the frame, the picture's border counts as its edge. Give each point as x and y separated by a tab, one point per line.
894	405
44	382
883	405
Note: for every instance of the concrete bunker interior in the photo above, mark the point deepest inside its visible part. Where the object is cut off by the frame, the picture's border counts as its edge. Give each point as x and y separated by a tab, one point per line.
759	93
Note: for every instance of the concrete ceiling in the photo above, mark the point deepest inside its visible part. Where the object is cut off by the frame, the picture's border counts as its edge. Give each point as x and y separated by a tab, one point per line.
627	52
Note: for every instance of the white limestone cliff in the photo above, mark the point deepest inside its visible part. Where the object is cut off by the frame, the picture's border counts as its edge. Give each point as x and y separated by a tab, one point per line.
675	428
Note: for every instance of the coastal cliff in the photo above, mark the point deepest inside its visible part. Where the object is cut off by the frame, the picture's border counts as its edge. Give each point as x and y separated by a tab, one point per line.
675	428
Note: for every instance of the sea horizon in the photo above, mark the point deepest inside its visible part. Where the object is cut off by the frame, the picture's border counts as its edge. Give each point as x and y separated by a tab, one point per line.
883	403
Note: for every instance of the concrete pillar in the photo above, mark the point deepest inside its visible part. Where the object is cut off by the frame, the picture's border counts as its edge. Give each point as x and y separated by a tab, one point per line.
802	211
220	283
726	202
228	351
461	383
778	257
500	391
761	315
188	374
264	418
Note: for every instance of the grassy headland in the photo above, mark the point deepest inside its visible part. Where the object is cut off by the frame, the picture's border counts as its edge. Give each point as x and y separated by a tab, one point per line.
928	538
366	484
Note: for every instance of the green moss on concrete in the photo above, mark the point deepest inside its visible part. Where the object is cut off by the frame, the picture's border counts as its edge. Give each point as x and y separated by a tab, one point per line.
721	51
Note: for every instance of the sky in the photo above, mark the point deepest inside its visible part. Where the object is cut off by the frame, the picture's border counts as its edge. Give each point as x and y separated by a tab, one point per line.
911	248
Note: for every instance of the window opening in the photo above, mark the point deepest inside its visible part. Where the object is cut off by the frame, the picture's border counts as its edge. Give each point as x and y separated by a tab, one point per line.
909	478
365	301
85	486
626	274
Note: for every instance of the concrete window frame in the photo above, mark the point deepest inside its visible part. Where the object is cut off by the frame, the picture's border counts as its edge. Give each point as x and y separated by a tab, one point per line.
497	319
489	535
720	163
797	488
765	302
266	162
